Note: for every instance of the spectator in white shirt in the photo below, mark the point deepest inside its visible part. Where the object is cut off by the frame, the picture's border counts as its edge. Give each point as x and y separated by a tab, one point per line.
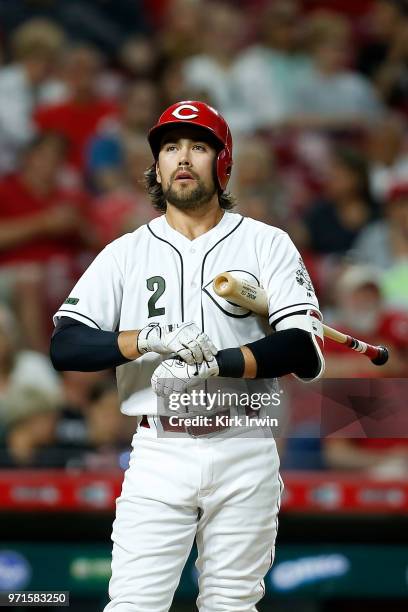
35	49
387	149
333	96
211	75
19	367
267	72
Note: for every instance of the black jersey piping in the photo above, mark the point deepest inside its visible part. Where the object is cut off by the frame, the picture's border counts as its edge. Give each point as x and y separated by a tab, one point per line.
73	312
291	314
292	306
203	264
181	265
229	314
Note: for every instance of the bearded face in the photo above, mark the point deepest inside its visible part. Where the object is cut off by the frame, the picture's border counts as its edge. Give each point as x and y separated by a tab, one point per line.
185	169
189	194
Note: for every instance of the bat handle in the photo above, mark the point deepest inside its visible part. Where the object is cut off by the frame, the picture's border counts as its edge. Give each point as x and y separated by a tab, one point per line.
377	354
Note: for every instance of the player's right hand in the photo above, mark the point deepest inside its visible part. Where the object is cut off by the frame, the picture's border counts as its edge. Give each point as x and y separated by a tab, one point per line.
185	340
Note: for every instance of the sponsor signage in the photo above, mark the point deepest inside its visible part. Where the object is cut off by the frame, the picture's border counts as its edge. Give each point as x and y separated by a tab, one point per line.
320	571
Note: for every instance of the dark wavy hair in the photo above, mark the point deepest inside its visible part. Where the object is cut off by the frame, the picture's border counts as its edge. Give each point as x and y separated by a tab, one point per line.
155	191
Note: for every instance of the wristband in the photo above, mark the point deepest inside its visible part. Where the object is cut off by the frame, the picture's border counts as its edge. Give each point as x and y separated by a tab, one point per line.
231	363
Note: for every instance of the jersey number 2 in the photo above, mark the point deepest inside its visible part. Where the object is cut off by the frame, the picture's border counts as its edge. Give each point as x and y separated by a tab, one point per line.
158	285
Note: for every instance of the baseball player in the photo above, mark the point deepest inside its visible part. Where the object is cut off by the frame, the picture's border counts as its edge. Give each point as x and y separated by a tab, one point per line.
146	306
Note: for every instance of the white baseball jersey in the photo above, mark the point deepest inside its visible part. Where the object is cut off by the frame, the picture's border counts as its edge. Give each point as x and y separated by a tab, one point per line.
156	274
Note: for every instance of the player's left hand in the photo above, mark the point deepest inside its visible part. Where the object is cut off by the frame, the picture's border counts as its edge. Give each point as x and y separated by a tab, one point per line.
177	376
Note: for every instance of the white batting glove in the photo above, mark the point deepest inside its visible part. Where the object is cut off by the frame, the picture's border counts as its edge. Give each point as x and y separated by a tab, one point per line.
176	376
185	340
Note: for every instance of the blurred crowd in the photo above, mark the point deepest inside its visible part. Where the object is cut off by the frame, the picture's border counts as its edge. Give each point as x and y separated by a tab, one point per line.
316	95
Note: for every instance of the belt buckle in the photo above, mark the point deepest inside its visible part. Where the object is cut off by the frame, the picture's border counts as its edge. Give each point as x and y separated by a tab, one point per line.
180	428
212	428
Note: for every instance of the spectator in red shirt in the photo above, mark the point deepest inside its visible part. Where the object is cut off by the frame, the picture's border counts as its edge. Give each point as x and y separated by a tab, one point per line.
380	457
362	314
79	116
41	225
125	207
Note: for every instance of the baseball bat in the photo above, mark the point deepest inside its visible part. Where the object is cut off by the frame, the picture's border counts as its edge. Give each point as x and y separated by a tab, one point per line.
242	293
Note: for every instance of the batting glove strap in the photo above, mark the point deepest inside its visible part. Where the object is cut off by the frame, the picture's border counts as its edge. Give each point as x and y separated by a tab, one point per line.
185	340
150	338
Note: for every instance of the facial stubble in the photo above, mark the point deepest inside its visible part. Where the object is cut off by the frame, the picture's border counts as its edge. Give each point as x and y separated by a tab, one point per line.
190	199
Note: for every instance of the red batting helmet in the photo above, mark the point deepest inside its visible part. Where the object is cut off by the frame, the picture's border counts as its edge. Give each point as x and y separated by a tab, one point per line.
191	112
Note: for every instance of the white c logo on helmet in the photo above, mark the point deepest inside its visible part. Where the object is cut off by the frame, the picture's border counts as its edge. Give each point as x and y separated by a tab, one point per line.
178	113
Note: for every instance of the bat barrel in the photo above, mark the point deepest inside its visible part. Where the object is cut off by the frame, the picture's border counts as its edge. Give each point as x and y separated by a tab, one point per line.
223	284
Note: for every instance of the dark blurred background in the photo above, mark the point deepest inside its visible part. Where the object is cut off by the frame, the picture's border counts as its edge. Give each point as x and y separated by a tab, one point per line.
316	94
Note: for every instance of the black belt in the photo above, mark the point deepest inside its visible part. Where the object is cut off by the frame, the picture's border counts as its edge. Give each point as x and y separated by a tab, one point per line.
193	430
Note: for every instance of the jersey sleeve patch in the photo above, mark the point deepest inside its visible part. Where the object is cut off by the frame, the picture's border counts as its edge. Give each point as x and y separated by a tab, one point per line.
285	279
303	279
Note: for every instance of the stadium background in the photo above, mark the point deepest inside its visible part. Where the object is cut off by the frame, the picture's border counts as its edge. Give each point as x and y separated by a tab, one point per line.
316	94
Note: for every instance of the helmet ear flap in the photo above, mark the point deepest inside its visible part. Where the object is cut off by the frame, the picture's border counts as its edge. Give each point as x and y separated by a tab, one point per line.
224	167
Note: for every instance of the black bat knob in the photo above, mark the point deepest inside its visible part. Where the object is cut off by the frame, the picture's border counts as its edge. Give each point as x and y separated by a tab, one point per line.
382	356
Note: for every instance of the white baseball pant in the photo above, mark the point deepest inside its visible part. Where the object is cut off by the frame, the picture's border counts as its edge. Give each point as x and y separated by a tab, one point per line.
223	491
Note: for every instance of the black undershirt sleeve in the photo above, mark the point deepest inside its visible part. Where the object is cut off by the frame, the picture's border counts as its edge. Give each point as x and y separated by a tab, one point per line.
284	352
78	347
